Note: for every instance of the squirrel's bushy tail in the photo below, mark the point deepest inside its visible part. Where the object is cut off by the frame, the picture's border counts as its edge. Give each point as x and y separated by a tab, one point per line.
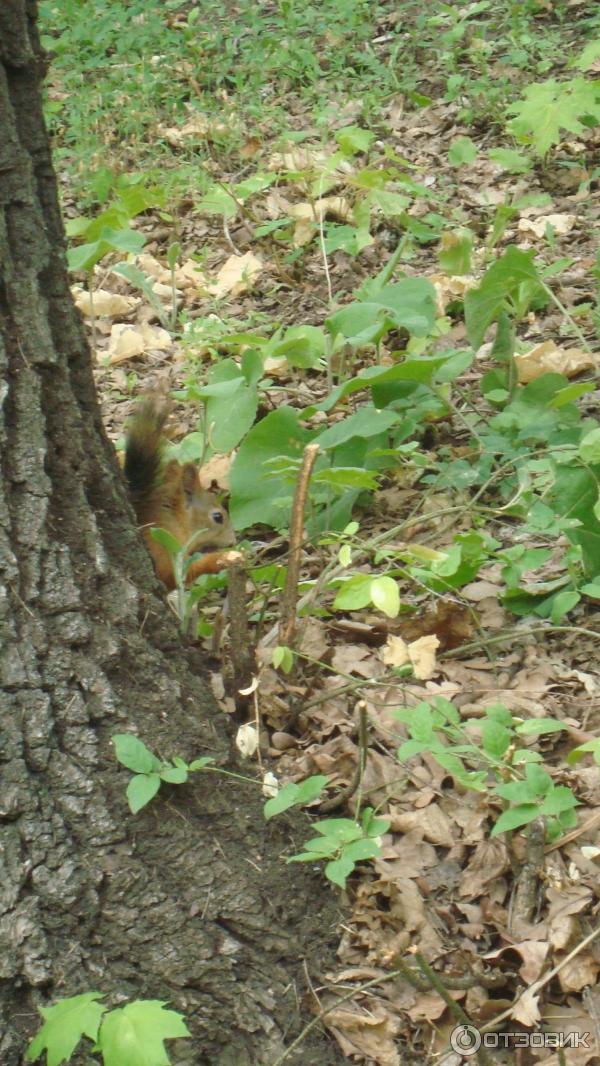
143	445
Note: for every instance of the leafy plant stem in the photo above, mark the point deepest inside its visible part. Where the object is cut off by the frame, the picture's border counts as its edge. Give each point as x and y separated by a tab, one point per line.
455	1009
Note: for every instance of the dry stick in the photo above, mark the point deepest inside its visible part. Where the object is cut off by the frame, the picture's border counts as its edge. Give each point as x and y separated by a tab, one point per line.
347	792
455	1009
243	658
287	625
525	896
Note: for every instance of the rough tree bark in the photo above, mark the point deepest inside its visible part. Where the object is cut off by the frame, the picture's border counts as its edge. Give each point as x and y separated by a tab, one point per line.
188	902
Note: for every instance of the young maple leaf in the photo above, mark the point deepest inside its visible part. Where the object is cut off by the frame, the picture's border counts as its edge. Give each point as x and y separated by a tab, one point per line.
551	106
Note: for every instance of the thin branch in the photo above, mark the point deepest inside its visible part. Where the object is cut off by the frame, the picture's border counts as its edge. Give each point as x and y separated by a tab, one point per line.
346	793
243	656
287	624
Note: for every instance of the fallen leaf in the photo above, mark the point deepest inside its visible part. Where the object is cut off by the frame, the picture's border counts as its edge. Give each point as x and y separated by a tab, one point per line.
536	227
236	275
548	358
103	302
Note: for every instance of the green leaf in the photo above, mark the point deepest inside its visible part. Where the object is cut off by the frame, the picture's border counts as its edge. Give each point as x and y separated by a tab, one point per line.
168	541
549	107
495	738
303	346
502	280
133	753
218	201
141	789
339	870
558	800
385	595
64	1025
257	497
534	727
134	1035
352	139
342	830
174	775
354	593
515	817
366	422
295	795
360	850
589	447
199	764
283	657
455	252
462	150
509	159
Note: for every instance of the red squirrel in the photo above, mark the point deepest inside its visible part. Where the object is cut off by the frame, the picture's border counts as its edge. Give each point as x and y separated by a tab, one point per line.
169	495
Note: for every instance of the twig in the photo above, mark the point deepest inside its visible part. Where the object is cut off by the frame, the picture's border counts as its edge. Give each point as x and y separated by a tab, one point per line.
287	625
243	658
526	892
346	793
455	1008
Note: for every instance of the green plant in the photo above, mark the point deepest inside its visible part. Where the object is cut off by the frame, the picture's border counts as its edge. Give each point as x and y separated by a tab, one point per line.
344	843
149	771
490	755
132	1035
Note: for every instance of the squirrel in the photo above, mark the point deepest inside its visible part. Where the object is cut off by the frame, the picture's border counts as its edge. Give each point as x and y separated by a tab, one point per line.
169	495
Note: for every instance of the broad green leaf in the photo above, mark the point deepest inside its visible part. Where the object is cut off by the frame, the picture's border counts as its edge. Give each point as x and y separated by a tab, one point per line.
338	871
558	800
462	150
501	280
515	817
455	252
257	497
135	1034
495	738
64	1025
589	447
141	789
343	830
346	477
366	422
534	727
360	850
302	346
199	764
385	595
511	160
168	541
174	775
549	107
133	753
354	593
285	798
352	139
218	201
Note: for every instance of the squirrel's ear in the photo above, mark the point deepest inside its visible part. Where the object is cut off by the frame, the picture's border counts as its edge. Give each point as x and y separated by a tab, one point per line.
189	479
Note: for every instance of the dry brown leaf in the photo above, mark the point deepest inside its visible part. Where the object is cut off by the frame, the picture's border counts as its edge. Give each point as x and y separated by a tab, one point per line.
489	860
548	358
430	823
395	652
304	231
215	472
536	227
103	302
128	342
355	659
580	972
422	656
236	275
370	1034
526	1009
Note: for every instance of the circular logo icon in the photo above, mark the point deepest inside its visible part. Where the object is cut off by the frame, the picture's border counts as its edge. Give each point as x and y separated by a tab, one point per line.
465	1040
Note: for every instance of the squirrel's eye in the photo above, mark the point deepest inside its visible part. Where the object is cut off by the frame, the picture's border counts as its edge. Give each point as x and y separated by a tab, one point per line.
217	517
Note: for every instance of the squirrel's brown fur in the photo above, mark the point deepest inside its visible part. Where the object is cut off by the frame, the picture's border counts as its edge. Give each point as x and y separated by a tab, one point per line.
169	495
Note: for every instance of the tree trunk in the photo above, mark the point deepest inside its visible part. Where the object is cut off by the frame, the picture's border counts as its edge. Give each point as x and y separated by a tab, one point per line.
189	901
